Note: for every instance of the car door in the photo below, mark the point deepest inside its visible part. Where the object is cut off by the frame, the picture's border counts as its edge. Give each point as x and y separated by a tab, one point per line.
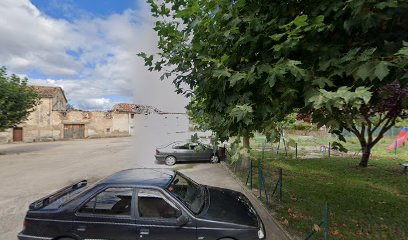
158	217
195	152
182	152
205	153
107	215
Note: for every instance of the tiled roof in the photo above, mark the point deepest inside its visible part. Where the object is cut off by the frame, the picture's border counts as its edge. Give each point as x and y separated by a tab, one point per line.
48	92
135	108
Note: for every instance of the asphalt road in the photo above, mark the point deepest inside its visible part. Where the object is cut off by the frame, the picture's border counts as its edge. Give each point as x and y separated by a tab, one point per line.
29	171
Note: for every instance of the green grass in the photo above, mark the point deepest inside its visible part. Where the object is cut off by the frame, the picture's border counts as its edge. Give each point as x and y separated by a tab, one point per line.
380	150
369	203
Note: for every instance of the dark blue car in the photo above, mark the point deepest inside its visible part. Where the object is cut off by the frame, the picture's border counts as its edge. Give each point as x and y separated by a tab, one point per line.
151	204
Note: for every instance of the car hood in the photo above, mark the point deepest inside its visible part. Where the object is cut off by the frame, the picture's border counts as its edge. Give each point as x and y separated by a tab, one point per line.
230	206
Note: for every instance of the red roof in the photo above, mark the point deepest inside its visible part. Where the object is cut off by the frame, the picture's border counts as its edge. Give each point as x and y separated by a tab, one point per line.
48	92
135	108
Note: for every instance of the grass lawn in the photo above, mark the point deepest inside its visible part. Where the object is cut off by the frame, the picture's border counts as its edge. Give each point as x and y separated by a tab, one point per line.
380	150
369	203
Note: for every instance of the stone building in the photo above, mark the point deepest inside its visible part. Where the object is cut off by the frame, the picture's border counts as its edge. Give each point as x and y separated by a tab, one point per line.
51	121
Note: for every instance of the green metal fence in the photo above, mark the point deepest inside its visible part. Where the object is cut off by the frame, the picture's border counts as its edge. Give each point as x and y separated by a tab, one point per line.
324	223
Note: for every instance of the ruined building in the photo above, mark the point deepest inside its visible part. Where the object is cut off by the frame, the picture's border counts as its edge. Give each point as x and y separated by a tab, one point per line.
51	120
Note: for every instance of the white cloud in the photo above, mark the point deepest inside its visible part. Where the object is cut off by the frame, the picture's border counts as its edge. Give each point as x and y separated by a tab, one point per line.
31	40
95	104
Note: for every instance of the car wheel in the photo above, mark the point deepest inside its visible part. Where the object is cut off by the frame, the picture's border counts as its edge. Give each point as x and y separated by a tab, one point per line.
214	159
170	160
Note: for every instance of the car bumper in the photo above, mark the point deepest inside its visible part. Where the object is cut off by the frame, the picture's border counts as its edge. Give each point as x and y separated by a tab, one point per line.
22	236
160	158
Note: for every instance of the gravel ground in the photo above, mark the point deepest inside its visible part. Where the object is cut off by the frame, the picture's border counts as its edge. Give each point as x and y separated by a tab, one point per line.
29	171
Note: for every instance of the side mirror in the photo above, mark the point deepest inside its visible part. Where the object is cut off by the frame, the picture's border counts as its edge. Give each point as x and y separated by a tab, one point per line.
182	220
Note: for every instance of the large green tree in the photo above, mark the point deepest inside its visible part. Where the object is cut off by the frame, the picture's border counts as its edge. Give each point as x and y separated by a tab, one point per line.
17	100
361	61
246	64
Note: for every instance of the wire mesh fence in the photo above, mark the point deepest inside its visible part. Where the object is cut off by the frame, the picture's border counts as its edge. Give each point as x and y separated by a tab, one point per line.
265	181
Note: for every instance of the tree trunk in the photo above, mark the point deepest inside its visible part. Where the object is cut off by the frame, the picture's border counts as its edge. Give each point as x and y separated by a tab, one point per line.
245	142
366	155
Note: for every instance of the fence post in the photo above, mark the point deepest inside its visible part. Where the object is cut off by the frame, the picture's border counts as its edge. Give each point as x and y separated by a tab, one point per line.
280	184
259	179
395	147
250	172
296	150
262	186
249	176
284	145
329	149
263	150
326	222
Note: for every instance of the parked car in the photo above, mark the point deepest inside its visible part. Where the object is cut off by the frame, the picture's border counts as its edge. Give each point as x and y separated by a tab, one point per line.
185	151
147	204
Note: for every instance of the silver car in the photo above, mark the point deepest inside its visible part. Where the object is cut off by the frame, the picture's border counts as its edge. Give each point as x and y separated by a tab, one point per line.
184	151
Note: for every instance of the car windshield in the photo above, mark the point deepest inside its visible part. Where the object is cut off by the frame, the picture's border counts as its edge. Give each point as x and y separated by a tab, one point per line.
190	193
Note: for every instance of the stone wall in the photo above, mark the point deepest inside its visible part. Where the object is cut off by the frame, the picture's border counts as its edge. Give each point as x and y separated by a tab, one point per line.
6	136
44	125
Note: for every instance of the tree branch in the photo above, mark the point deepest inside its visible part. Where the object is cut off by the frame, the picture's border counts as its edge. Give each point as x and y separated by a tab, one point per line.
390	122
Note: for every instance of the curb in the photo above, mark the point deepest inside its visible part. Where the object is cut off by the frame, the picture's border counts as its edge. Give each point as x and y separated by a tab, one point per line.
286	233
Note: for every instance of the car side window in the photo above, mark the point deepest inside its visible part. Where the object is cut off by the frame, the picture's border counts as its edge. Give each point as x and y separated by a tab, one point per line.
112	201
184	146
152	204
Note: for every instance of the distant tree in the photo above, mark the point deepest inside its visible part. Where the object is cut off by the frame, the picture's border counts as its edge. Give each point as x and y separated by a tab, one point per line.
17	99
247	64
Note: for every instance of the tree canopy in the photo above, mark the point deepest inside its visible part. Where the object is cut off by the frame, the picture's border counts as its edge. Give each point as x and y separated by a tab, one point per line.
247	64
16	99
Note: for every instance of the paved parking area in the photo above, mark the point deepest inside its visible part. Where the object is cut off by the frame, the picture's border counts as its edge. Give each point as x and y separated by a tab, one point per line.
29	171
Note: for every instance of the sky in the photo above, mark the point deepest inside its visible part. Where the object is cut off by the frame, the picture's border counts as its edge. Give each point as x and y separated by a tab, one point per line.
87	47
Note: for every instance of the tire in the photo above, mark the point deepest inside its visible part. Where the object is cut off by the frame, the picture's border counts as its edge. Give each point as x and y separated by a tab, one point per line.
214	159
170	160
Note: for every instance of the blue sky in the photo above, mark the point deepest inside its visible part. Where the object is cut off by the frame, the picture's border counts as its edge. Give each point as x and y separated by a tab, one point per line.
73	9
87	47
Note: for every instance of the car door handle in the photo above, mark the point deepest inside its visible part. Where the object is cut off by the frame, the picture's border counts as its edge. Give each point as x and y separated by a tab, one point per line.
81	229
144	231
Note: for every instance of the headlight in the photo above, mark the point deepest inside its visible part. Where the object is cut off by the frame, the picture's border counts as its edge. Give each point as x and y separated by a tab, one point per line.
261	234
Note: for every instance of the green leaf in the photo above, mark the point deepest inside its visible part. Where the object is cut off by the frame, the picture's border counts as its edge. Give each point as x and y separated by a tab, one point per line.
364	93
277	37
381	70
234	79
364	71
321	82
240	112
221	73
301	21
224	58
390	4
271	79
404	50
